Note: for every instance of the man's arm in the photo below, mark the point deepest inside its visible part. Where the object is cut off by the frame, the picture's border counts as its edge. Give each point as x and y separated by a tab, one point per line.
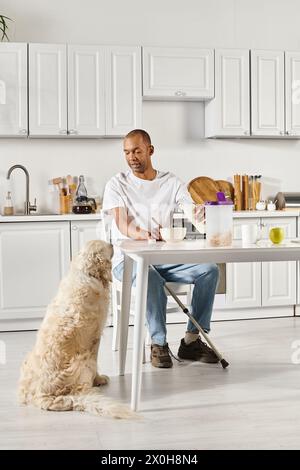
127	225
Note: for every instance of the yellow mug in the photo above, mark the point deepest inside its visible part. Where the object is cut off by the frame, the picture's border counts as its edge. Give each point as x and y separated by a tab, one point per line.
276	235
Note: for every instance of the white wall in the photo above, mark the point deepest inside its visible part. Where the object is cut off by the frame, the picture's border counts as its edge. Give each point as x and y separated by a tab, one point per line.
176	128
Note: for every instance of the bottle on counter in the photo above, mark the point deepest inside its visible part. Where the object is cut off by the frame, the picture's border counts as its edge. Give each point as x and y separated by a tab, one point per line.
8	205
81	191
83	204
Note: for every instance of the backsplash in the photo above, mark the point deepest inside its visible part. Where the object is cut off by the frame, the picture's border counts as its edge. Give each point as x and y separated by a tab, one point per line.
179	147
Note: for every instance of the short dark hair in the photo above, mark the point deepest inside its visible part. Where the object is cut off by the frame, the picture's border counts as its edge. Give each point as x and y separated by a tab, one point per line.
145	136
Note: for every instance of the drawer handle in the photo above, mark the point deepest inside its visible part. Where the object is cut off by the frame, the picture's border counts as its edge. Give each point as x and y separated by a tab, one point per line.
180	93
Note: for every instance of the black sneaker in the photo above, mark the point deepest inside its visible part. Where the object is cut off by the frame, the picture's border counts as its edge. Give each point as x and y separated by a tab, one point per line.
160	356
197	351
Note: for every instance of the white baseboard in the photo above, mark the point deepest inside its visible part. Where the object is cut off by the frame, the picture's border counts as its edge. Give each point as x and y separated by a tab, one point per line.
172	318
248	313
297	310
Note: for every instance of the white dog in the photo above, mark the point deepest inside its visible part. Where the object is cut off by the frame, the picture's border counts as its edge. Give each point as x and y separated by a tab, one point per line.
60	372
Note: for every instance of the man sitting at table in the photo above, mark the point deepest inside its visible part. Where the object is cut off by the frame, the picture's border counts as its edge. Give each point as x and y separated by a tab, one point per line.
141	200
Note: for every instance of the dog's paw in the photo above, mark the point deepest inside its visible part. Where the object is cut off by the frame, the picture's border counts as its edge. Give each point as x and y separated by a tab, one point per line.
100	380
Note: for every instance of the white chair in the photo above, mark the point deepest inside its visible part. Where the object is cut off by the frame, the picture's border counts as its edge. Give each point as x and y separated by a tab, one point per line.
116	295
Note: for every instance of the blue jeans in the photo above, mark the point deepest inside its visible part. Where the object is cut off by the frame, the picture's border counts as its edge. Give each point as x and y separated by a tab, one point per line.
205	279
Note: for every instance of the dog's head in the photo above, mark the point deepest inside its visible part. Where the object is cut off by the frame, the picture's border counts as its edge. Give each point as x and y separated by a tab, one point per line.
95	260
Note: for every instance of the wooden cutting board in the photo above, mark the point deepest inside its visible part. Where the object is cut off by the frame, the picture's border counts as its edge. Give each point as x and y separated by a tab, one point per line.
203	189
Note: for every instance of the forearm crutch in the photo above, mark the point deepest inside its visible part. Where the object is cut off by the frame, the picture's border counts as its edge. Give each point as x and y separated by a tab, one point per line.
185	310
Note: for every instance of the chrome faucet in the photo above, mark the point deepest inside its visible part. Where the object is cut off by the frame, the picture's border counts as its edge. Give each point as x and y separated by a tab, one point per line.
27	206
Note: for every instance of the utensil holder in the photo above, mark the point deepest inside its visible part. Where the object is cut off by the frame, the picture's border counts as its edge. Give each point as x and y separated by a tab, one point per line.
65	204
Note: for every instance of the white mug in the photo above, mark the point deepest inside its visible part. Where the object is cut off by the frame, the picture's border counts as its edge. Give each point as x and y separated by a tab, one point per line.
249	234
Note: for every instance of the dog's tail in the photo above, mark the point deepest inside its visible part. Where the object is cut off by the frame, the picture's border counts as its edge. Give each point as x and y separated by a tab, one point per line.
91	402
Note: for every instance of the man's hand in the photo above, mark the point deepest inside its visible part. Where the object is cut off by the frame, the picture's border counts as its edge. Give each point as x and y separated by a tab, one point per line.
127	225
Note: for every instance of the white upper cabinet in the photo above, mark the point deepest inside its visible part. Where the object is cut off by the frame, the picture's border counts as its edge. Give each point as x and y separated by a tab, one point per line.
292	93
47	89
267	93
228	114
123	89
178	73
101	97
86	91
13	90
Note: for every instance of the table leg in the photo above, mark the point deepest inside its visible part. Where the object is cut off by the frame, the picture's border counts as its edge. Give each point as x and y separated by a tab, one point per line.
125	310
139	330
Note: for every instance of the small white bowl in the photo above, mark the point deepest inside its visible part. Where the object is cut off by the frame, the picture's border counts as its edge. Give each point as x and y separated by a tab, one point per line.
175	234
260	206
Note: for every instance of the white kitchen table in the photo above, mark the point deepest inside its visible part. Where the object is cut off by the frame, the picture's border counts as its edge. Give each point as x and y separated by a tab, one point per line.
187	251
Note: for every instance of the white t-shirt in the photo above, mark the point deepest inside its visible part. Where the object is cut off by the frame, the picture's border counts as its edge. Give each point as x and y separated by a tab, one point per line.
149	202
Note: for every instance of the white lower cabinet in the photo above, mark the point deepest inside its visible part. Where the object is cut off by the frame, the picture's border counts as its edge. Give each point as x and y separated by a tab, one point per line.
82	232
34	256
243	280
279	279
243	285
272	284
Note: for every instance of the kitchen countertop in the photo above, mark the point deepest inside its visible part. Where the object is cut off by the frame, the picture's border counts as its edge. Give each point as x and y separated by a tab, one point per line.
48	217
74	217
282	213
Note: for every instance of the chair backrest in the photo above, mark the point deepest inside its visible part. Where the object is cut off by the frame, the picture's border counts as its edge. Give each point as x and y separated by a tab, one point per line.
107	219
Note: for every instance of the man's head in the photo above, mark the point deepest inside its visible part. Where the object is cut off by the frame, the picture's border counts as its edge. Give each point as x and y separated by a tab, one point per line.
138	150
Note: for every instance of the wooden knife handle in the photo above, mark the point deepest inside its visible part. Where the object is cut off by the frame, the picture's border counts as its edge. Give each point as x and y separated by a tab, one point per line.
237	193
245	185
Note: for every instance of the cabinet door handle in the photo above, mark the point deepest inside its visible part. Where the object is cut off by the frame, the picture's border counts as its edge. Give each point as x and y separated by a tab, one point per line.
281	132
74	227
73	131
287	132
23	131
63	131
180	93
246	133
